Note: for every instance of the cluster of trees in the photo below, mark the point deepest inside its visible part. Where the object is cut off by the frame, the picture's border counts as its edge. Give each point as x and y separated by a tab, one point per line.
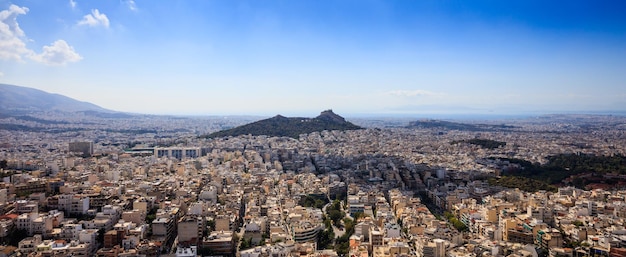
460	226
579	163
335	213
342	243
151	215
245	243
523	183
326	239
563	166
210	225
313	201
447	125
327	236
484	143
578	223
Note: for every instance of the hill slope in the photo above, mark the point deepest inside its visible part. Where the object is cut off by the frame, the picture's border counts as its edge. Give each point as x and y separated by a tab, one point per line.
448	125
16	100
280	126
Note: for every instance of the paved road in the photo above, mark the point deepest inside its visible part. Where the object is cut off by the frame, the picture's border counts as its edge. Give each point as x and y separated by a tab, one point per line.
240	234
338	232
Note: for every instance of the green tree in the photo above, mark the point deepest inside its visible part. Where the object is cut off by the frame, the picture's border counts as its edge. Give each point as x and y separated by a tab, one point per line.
342	248
349	226
336	205
325	238
336	216
358	215
319	204
245	243
210	226
456	223
327	222
150	218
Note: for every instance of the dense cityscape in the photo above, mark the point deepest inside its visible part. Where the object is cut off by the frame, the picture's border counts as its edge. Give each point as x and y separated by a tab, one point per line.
156	186
312	128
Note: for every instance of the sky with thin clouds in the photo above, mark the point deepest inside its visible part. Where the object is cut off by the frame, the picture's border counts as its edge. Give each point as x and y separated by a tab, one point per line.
375	57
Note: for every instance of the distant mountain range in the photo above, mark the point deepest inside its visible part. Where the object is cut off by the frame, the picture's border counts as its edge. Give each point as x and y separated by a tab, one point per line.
16	100
281	126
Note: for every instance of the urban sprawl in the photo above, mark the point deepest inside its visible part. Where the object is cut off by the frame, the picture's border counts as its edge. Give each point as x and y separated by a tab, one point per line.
155	187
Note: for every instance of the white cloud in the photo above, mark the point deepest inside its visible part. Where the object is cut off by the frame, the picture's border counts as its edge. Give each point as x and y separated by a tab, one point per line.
95	19
58	53
413	93
73	4
131	5
1	74
12	38
13	42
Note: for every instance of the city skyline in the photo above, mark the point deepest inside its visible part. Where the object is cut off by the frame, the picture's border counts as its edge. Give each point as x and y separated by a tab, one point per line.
300	57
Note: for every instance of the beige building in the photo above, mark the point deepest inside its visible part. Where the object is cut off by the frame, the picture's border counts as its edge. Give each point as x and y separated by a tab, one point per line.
135	216
190	229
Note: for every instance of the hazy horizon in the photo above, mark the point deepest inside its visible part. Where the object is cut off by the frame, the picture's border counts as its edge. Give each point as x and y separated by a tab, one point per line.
298	58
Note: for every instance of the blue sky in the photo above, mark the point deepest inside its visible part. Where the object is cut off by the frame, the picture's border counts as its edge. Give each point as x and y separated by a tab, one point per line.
301	57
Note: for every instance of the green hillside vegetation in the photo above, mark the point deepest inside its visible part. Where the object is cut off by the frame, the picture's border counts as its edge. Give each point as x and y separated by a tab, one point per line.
563	166
579	163
448	125
484	143
523	183
280	126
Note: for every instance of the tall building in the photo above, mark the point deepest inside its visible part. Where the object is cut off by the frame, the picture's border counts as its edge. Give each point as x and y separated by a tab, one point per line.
436	248
178	152
85	148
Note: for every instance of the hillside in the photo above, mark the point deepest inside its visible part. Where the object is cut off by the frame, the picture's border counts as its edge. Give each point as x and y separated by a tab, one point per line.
281	126
15	100
448	125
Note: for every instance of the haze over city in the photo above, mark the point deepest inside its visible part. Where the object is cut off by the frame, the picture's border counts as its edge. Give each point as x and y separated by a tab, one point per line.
299	57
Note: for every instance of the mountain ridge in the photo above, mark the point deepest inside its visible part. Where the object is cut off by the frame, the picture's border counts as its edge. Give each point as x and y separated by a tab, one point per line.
19	100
